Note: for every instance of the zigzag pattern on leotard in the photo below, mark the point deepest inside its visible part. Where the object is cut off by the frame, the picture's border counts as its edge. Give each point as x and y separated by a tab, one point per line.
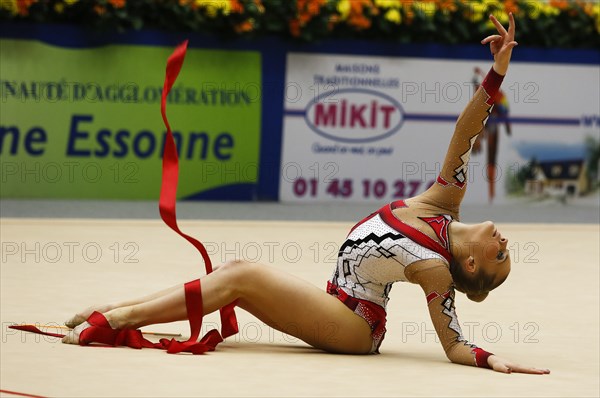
371	237
358	254
460	173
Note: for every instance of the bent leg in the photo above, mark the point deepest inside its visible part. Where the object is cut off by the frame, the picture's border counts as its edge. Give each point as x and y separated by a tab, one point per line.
296	307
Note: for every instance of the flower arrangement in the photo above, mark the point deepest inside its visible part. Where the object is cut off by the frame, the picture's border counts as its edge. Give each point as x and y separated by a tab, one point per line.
554	23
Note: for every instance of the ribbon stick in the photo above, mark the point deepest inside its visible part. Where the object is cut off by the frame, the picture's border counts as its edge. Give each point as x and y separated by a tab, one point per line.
25	327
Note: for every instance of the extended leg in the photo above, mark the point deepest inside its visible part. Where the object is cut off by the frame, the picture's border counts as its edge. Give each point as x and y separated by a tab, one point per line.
80	317
280	300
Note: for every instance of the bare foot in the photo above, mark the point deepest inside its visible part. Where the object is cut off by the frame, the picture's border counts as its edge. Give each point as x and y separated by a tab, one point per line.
72	337
80	317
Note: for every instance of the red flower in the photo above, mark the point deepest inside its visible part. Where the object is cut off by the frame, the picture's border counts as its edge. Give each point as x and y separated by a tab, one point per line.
117	3
23	6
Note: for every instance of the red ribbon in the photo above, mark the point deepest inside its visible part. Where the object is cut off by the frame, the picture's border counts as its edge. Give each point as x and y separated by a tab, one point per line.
100	330
168	195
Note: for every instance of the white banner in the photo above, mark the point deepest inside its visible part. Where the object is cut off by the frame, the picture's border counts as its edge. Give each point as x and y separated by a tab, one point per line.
376	129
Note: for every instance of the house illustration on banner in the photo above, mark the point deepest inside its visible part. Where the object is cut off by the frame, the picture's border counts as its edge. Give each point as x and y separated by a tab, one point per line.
554	169
558	178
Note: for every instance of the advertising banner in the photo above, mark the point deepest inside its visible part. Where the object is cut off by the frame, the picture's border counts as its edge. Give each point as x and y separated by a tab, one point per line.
86	123
376	129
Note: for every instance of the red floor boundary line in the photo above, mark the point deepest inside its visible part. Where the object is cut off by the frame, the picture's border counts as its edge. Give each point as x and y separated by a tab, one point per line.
21	394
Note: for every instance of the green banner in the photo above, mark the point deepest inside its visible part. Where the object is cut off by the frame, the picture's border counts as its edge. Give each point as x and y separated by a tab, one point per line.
86	123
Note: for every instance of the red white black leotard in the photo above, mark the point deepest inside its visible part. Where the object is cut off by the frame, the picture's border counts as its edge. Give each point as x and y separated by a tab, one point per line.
380	247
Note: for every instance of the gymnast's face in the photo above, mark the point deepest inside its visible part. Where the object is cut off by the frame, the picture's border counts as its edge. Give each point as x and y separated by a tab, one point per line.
489	252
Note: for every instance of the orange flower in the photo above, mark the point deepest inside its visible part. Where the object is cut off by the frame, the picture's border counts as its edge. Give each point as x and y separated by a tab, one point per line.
99	10
117	3
295	27
446	5
359	21
245	26
408	11
313	8
333	20
307	9
358	9
23	6
511	6
236	7
259	6
587	7
560	4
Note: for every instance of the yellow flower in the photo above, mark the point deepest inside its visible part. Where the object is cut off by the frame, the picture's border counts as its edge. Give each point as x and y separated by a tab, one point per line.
596	15
59	8
502	17
427	8
393	15
70	2
388	4
344	8
595	11
475	14
549	10
538	9
213	6
491	3
10	5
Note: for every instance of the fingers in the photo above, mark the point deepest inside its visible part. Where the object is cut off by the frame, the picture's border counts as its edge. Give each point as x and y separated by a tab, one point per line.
532	371
498	25
509	368
501	29
491	38
511	25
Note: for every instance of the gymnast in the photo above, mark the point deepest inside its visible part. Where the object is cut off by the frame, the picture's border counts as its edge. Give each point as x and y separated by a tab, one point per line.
418	240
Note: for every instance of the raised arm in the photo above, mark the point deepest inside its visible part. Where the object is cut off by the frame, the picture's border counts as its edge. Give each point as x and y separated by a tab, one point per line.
436	282
450	187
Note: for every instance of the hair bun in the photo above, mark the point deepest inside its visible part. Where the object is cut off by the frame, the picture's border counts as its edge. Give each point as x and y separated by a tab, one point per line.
477	297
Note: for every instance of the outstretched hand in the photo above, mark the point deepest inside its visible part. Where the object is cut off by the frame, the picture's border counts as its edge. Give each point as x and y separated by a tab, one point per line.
505	366
501	45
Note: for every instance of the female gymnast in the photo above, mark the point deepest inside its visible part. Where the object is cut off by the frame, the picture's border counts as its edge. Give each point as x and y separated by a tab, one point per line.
419	240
